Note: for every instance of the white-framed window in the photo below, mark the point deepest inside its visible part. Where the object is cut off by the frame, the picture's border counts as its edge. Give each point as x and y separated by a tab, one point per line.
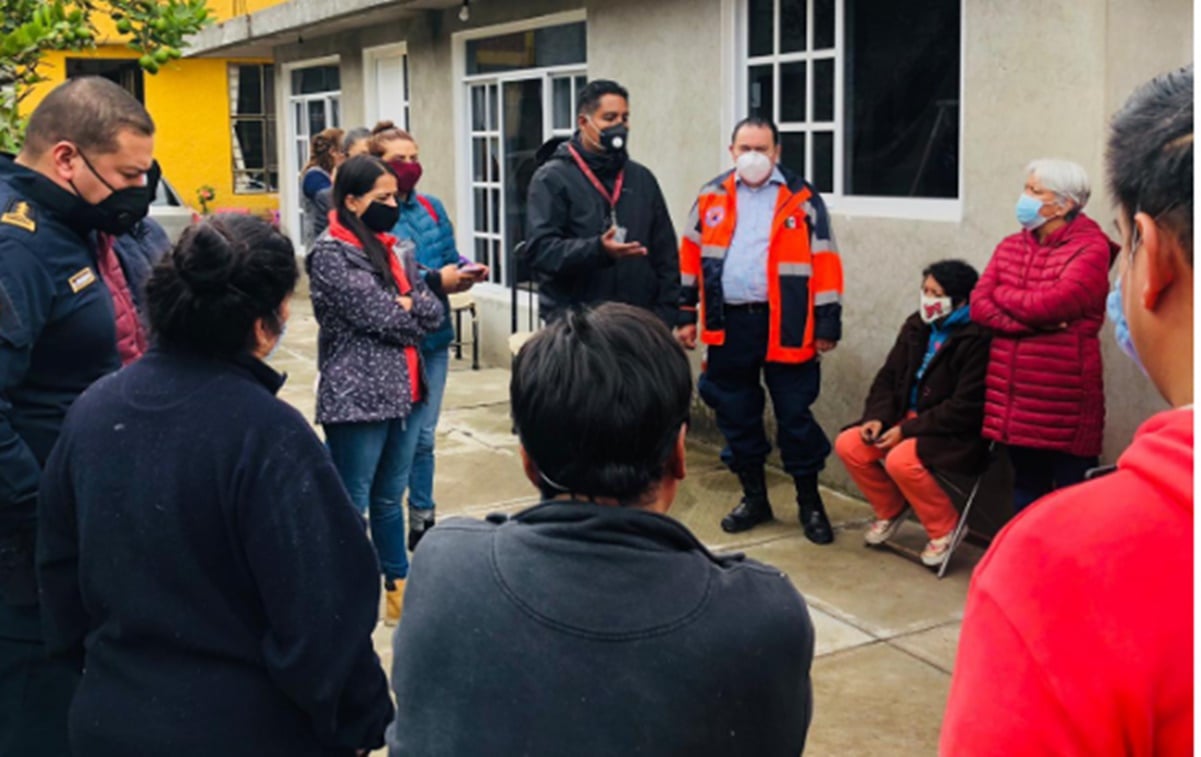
520	83
386	70
312	98
866	94
252	123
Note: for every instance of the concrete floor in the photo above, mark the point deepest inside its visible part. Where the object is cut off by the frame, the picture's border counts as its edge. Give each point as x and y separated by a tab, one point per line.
887	628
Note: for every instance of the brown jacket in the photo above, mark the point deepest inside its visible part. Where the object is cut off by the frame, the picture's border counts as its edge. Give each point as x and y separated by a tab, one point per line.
950	398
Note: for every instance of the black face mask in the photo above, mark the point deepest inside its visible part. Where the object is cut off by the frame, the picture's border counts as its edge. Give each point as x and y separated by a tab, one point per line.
615	138
118	213
380	218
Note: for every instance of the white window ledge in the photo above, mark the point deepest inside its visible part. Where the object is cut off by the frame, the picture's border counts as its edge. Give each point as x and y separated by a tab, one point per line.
907	208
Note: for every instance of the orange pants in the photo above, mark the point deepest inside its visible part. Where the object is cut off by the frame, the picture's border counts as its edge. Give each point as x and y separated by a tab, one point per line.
889	479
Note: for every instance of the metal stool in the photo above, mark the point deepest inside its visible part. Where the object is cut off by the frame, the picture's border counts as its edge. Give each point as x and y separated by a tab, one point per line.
459	302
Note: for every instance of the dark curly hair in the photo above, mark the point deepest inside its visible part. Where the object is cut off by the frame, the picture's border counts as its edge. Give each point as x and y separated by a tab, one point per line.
223	275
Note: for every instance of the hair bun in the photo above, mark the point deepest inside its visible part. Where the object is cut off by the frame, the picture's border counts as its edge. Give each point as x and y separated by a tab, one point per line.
383	126
205	259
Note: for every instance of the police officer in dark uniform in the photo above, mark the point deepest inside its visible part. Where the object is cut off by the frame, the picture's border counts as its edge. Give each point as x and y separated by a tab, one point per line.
85	173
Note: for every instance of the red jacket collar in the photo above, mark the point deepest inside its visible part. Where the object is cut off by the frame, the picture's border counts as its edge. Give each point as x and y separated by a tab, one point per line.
343	234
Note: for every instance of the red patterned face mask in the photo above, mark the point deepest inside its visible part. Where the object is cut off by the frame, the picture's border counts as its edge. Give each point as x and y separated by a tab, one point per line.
407	174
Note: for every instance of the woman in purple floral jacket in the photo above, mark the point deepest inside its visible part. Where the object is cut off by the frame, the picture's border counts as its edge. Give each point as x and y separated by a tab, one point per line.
372	309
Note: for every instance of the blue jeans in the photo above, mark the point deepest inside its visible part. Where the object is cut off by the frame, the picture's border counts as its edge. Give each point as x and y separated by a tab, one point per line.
370	459
418	474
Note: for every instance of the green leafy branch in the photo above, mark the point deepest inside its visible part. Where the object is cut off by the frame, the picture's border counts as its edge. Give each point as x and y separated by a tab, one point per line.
158	29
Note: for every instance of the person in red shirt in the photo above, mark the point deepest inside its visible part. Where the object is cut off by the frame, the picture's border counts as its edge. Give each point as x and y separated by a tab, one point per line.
1078	633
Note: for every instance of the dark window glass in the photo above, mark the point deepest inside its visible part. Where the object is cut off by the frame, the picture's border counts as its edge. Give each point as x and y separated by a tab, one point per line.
269	89
792	26
479	159
479	111
901	123
759	92
536	48
316	110
562	103
496	263
250	90
759	27
792	92
822	174
823	90
523	136
315	79
481	209
792	151
250	135
823	23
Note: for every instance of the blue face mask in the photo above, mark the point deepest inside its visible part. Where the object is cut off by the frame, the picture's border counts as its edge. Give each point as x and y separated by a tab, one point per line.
282	331
1121	329
1027	212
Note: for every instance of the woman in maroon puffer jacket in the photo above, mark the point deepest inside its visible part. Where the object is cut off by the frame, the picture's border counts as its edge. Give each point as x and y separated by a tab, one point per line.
1043	295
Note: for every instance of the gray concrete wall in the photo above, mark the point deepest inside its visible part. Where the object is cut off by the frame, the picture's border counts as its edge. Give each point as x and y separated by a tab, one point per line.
1041	79
1143	38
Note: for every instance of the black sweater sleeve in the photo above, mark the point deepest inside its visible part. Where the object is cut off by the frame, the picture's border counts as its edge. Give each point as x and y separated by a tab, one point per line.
316	572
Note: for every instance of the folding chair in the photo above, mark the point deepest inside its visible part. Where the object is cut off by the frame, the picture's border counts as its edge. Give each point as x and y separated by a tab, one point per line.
968	492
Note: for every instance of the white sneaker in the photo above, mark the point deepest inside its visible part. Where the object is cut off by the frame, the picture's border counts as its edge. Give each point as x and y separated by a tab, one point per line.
936	550
881	530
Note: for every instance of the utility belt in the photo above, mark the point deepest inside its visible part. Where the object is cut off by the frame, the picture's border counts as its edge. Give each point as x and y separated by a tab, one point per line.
747	308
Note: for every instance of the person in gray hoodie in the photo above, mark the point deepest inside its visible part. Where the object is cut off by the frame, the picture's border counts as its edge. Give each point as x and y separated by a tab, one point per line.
593	623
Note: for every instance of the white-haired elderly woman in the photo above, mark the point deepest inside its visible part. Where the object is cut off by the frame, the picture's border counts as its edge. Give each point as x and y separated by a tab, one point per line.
1043	295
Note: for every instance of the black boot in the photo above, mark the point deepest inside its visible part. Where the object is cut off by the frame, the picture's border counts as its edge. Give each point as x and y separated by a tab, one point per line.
754	507
812	511
420	521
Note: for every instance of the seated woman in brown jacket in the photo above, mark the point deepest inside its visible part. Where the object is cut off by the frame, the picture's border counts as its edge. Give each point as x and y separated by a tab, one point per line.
923	413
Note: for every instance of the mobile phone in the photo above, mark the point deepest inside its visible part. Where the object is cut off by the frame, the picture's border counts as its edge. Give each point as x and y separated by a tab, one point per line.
471	269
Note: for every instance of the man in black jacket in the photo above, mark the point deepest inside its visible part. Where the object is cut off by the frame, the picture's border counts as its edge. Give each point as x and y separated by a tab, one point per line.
593	624
598	228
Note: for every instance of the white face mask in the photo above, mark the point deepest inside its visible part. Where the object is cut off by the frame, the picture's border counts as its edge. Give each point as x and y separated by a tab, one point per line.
933	308
753	167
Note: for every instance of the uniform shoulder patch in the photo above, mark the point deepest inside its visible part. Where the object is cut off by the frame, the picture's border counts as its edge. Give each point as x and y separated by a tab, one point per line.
19	214
81	280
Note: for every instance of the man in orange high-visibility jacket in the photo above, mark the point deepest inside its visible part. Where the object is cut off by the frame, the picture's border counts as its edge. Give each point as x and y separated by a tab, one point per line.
759	262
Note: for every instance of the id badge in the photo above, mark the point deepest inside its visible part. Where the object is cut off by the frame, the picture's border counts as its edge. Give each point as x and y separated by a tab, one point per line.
619	235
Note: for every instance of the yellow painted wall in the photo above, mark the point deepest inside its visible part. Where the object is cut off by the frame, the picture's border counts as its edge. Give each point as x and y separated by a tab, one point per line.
189	102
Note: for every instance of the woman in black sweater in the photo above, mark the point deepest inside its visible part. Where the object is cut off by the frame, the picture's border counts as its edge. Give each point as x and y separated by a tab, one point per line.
197	555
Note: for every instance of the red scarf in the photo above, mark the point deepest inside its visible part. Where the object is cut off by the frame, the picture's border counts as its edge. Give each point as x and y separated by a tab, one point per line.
343	234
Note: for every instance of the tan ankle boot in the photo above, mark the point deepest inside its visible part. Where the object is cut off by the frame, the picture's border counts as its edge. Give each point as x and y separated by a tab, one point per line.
394	595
